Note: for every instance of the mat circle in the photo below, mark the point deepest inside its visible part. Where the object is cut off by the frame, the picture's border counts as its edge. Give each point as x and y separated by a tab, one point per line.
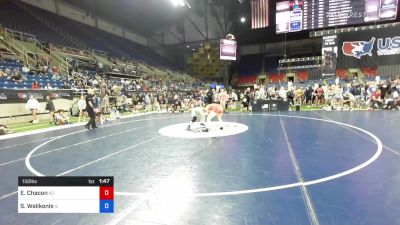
257	190
208	130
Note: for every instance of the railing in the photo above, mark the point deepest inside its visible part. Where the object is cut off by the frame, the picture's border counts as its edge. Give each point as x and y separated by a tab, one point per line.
62	64
18	35
32	38
12	44
69	51
100	53
13	35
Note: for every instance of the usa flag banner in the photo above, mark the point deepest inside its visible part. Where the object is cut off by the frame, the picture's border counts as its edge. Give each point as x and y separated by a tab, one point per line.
259	14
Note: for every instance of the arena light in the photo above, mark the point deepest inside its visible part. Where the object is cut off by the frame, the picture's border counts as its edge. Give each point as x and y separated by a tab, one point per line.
177	3
180	3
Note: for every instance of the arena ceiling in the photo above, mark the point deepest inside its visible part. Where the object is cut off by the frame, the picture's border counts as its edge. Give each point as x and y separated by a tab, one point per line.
161	22
142	16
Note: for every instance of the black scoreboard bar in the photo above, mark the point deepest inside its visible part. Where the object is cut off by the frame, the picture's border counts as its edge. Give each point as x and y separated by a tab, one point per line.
66	181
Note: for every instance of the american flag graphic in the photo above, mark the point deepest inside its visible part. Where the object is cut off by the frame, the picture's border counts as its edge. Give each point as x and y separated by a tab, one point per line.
259	14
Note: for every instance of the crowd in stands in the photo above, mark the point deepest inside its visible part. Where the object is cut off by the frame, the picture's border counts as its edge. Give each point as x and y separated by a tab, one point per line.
15	74
146	91
114	95
380	94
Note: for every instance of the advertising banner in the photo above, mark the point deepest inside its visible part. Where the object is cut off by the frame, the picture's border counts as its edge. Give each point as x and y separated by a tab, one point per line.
369	48
329	55
8	96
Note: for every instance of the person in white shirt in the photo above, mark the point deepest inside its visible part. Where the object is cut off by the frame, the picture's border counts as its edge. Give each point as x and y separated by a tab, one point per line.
25	69
234	99
223	99
48	87
114	114
33	105
282	93
82	108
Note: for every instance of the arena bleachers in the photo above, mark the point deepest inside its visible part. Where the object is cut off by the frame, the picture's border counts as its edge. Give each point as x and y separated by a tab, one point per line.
13	17
28	78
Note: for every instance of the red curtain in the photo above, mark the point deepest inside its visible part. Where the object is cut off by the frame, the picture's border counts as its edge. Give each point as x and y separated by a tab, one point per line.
247	80
275	78
342	73
302	75
370	71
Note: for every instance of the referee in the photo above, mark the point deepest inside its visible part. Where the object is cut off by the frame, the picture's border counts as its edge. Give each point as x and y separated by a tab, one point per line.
90	110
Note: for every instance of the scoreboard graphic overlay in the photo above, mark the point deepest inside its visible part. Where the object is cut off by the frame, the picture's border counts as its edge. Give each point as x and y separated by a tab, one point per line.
65	194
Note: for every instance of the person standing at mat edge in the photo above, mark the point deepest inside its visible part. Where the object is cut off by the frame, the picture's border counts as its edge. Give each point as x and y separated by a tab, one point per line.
90	110
33	105
50	107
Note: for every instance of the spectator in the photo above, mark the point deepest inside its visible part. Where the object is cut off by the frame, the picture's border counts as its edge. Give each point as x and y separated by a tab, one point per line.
82	108
395	97
245	101
56	76
36	85
66	85
319	95
3	129
105	104
234	98
17	77
308	95
224	99
114	114
376	100
25	69
329	95
209	98
55	70
46	59
3	74
105	100
338	96
282	93
48	87
299	96
348	99
290	95
62	118
33	105
50	107
41	71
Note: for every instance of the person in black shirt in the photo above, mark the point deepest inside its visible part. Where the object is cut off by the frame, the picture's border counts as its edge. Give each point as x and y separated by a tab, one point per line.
90	110
309	95
51	108
209	96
